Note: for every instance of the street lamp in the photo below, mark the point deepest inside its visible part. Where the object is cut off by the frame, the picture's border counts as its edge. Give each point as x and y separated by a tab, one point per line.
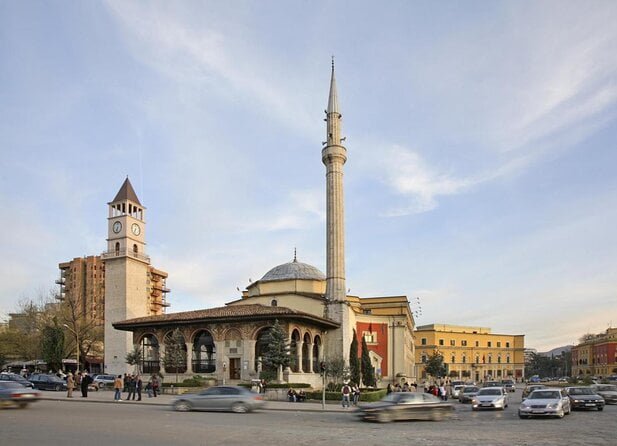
224	371
76	342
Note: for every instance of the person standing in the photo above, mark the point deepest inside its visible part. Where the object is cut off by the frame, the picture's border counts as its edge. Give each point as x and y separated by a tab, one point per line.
345	391
155	385
70	385
85	381
138	385
118	385
130	385
356	394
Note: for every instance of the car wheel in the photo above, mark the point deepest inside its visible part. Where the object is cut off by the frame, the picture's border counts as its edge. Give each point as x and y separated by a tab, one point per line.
600	409
239	408
182	406
58	388
560	414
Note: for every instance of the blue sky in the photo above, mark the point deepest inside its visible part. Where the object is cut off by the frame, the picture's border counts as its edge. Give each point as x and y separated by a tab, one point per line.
481	142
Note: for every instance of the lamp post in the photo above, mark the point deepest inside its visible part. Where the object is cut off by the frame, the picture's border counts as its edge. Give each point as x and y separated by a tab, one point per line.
76	344
224	371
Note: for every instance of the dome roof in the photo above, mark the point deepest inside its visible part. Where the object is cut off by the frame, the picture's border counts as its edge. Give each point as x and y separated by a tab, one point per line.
293	270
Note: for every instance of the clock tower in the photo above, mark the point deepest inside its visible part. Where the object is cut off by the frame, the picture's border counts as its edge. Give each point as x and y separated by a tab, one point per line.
126	274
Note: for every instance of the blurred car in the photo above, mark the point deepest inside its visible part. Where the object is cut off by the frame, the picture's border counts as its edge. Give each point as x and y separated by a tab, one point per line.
102	381
490	398
456	390
530	388
47	382
406	406
584	398
225	398
545	402
467	393
14	394
509	385
4	376
606	391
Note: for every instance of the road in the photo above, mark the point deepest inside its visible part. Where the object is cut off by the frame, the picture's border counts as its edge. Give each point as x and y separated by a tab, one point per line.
110	424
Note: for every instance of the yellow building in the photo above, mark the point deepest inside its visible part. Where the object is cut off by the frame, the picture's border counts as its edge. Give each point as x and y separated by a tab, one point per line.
471	353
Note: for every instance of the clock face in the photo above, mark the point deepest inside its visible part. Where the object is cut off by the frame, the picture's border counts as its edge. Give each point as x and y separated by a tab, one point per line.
135	229
117	227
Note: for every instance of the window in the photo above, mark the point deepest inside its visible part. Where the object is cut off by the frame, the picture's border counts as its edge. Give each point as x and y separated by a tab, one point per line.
452	342
489	344
441	342
508	359
477	343
490	359
499	359
370	338
464	343
423	341
464	359
453	359
507	345
498	344
423	359
274	303
366	311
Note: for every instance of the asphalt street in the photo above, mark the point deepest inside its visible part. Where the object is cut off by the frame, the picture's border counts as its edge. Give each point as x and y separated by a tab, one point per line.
62	422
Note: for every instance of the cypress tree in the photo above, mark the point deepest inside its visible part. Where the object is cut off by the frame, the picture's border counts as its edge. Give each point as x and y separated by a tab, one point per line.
368	371
354	361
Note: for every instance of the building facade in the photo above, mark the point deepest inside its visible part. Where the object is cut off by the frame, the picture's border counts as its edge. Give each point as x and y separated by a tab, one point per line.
471	353
596	356
320	318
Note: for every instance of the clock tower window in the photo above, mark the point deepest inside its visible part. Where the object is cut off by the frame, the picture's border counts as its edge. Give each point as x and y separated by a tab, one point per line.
117	248
135	249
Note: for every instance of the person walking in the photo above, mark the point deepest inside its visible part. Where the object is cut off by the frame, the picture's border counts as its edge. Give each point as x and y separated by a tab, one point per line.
345	391
70	385
138	385
355	394
118	385
155	385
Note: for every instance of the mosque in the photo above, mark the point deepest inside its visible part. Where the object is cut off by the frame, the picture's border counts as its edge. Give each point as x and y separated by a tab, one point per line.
225	343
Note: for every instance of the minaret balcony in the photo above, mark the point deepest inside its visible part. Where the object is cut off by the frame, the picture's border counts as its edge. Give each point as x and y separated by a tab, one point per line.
125	253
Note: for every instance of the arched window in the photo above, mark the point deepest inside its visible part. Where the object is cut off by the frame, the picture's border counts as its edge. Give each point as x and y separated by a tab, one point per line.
175	352
293	351
274	303
306	353
149	347
134	248
204	353
316	353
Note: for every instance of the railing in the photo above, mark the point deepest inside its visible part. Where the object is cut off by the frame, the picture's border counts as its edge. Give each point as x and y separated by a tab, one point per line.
150	366
125	252
204	365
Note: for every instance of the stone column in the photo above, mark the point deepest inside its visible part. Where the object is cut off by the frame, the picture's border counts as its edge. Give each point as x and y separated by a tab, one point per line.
299	356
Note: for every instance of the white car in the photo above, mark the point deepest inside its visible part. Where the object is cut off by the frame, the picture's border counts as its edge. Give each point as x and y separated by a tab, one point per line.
490	398
456	390
547	402
101	381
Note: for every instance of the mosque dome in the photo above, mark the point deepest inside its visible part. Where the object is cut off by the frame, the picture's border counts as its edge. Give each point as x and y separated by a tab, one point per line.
293	271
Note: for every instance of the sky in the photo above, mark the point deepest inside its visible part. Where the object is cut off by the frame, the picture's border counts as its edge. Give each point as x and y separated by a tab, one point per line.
481	139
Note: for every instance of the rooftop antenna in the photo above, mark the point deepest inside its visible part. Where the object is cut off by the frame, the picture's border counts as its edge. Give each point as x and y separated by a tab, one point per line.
295	256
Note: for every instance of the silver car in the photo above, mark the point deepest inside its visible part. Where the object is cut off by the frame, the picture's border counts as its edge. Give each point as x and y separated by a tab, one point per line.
490	398
606	391
545	402
226	398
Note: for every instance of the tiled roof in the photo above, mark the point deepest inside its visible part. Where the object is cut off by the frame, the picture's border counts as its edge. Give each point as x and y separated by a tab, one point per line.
127	192
229	313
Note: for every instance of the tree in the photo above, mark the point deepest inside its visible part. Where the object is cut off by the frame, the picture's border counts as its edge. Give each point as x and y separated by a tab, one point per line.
354	361
434	365
174	357
134	358
336	369
276	348
52	346
368	371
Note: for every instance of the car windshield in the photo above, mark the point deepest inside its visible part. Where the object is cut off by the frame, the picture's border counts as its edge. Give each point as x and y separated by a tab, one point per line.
544	395
580	391
489	392
470	389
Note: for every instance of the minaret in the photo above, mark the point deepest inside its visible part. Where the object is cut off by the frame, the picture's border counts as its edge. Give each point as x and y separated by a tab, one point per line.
126	274
334	155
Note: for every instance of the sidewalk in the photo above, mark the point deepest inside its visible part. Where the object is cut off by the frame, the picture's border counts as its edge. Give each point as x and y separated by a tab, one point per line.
105	396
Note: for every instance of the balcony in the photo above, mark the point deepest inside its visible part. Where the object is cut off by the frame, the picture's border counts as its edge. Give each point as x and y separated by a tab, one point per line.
125	253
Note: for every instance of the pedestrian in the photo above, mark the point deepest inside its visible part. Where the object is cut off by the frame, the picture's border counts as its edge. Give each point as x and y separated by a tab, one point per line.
118	385
155	385
149	389
85	381
345	391
70	385
130	385
442	392
138	386
389	389
78	380
125	380
355	394
262	386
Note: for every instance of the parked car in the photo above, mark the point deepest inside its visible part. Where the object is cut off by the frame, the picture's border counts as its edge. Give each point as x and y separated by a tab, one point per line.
606	391
226	398
530	388
490	398
47	382
102	381
545	402
509	385
467	393
14	394
456	390
406	406
584	398
5	376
